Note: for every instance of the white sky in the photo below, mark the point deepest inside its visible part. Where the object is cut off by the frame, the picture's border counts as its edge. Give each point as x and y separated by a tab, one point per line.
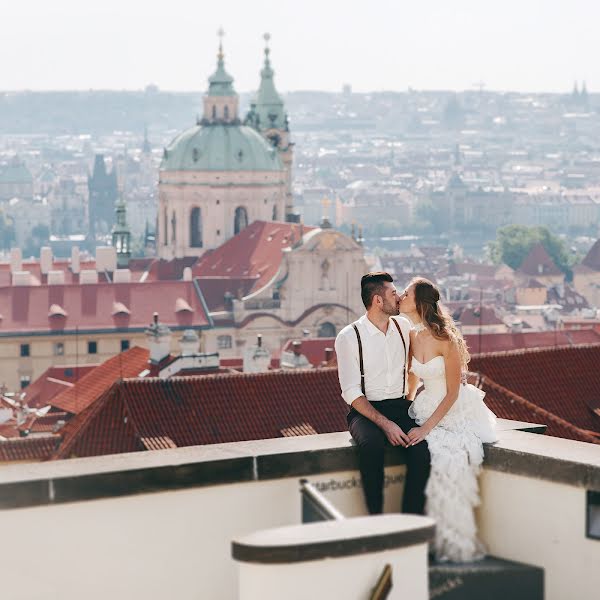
522	45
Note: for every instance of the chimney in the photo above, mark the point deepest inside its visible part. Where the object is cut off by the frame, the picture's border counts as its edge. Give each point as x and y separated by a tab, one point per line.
45	259
189	343
294	359
88	276
328	354
16	260
187	274
106	259
159	340
122	276
21	278
56	277
257	359
75	267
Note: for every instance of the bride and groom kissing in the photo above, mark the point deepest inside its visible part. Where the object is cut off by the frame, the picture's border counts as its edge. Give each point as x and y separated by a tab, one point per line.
382	359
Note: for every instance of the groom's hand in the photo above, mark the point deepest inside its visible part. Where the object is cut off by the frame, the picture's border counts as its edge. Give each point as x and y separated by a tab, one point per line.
395	435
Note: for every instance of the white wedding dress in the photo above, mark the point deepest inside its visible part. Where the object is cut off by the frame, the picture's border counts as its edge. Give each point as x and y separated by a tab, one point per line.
455	445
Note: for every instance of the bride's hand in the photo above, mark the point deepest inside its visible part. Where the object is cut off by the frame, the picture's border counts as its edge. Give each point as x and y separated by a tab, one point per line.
418	434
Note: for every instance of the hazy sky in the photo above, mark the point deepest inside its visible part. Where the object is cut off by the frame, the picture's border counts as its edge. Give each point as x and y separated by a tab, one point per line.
523	45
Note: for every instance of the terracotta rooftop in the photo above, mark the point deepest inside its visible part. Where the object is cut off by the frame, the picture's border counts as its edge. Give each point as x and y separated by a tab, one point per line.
28	449
502	342
538	263
94	306
477	316
564	381
92	385
53	381
257	251
592	258
508	405
206	410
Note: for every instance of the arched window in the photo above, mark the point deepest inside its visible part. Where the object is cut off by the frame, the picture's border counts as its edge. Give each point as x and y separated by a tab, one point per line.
326	330
240	220
165	228
196	228
214	112
226	113
274	217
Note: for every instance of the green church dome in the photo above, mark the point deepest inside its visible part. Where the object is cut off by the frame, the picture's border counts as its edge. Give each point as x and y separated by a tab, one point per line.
220	147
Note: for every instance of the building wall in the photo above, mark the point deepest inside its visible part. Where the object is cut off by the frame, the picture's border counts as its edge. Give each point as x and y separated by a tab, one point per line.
552	537
42	353
217	194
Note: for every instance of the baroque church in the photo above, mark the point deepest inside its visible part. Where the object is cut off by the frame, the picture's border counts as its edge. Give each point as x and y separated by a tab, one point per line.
224	173
226	219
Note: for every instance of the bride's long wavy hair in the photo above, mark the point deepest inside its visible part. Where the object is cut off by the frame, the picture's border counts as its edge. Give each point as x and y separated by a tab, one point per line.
436	318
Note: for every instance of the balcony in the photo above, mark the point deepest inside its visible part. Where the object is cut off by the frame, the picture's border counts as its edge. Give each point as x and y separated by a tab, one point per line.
262	304
161	524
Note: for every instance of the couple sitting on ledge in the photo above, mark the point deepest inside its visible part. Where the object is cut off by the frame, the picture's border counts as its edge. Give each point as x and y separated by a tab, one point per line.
382	358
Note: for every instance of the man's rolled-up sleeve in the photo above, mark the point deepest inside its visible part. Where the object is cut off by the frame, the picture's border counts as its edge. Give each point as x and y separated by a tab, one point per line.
348	368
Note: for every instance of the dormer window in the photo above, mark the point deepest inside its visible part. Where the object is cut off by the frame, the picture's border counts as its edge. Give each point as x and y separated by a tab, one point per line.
195	154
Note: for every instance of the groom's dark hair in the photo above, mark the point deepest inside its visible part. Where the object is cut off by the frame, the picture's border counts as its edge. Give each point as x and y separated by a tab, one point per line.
373	284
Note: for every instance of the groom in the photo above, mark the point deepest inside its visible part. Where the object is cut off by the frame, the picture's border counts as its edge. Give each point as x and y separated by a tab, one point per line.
373	355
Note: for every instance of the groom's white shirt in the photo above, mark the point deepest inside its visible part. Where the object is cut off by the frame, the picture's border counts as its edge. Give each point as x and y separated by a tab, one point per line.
383	359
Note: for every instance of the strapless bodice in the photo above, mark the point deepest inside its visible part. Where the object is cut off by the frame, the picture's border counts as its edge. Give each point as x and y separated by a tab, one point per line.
433	374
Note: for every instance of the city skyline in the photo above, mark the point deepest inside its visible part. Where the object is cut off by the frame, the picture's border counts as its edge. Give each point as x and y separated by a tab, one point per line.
521	47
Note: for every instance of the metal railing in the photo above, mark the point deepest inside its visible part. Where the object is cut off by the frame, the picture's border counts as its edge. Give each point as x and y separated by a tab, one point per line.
315	507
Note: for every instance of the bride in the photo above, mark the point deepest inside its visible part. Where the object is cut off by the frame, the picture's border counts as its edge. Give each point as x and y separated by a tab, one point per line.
452	417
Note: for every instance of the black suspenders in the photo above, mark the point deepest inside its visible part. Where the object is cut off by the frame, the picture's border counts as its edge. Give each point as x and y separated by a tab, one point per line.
360	358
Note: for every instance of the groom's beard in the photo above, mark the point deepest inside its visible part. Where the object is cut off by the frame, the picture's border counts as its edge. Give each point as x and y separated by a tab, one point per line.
390	309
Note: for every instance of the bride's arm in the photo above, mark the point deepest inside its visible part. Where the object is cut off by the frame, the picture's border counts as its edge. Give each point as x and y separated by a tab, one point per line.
413	380
453	375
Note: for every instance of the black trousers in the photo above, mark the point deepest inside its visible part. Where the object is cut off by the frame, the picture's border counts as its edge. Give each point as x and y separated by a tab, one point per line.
371	443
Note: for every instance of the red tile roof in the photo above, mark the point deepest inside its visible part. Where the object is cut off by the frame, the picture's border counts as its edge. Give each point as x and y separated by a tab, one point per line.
36	448
214	289
538	263
90	307
592	258
502	342
91	386
206	410
564	381
256	251
507	405
478	316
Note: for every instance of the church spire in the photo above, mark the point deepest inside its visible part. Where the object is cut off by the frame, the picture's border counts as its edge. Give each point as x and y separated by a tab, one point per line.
220	83
221	101
121	235
269	105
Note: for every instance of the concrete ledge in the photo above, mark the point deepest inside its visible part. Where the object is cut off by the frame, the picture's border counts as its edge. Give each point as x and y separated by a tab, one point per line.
80	479
333	539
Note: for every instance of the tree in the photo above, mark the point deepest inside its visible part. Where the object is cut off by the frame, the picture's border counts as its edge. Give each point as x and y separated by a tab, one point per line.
513	243
40	236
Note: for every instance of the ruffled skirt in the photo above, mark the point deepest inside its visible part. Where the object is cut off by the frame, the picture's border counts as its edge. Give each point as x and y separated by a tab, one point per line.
452	491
